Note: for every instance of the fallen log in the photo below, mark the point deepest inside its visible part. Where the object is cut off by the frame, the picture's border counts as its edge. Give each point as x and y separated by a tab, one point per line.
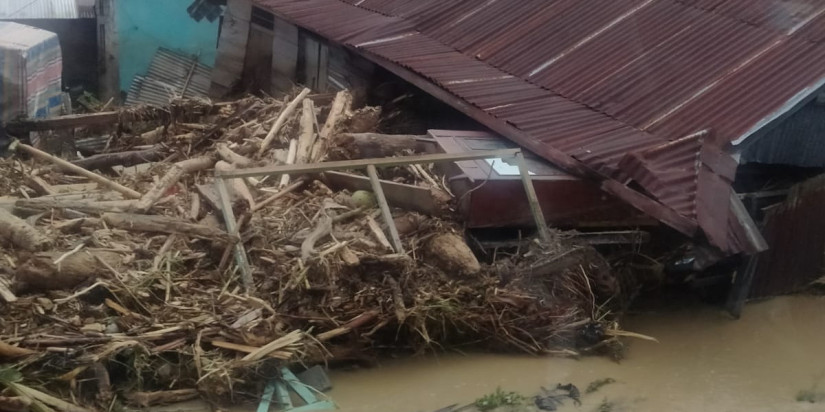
171	178
369	145
124	159
20	234
40	272
281	120
163	224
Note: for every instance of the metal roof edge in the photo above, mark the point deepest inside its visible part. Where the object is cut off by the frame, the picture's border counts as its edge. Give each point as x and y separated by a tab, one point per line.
790	107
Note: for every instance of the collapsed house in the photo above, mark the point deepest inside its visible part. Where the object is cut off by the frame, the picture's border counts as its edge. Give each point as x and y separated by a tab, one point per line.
639	97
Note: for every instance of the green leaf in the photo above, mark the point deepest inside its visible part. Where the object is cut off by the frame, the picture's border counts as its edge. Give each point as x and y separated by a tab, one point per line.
9	375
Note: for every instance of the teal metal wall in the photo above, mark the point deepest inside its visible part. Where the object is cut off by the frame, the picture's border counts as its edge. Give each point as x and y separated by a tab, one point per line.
145	25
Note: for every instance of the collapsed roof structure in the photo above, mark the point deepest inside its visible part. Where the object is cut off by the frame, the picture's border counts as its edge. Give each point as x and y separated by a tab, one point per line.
650	97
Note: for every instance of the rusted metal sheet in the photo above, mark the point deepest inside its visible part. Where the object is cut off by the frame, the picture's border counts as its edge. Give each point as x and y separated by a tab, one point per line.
596	82
795	232
491	192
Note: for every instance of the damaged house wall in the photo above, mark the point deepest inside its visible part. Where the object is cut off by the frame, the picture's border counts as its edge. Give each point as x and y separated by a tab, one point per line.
259	51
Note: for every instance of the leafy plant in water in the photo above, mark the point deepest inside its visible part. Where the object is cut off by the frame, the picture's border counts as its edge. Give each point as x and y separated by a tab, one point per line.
598	384
498	398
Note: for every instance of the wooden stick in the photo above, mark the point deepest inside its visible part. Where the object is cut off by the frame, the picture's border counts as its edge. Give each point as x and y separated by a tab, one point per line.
282	342
268	201
129	193
163	224
385	208
355	323
231	226
171	178
282	118
290	159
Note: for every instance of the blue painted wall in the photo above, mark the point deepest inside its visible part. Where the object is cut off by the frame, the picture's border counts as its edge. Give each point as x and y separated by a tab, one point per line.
145	25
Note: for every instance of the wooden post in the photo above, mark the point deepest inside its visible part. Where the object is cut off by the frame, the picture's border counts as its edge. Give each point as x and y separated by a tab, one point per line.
385	208
532	199
231	227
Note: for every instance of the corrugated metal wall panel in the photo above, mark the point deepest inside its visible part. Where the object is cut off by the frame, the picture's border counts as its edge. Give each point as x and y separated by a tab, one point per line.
166	79
45	9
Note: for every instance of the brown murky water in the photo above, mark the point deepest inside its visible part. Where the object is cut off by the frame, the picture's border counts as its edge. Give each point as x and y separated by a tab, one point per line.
704	362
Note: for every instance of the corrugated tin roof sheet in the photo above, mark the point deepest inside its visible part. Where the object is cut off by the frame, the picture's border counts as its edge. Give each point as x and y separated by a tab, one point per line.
598	81
46	9
166	79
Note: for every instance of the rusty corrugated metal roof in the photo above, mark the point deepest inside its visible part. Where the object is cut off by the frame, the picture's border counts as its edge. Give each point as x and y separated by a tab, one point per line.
593	82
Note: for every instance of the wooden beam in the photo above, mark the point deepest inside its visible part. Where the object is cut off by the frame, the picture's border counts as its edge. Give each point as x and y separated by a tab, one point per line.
363	163
532	199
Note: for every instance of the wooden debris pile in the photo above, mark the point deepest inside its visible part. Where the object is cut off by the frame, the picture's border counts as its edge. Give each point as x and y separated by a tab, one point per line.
118	284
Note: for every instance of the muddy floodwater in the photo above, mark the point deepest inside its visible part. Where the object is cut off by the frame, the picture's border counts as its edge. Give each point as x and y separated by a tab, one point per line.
704	361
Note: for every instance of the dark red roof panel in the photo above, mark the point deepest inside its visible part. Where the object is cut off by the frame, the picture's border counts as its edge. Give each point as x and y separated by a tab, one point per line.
603	82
